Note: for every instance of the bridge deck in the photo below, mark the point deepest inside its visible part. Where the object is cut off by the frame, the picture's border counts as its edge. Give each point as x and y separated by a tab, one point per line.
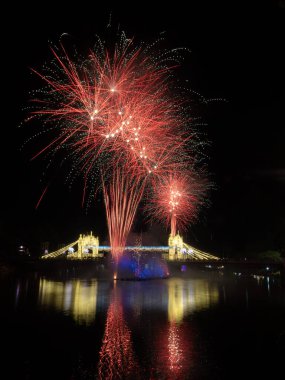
177	249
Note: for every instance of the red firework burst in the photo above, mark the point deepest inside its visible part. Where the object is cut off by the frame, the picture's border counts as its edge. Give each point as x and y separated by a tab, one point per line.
176	200
115	115
116	104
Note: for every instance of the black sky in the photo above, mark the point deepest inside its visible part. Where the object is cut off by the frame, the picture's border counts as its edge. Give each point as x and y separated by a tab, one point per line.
237	54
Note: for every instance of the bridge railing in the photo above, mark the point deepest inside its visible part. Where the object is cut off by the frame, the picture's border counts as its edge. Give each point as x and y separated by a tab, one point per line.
59	252
136	248
200	254
190	253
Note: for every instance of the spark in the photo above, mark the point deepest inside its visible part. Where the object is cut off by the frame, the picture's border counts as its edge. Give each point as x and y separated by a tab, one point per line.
118	121
176	200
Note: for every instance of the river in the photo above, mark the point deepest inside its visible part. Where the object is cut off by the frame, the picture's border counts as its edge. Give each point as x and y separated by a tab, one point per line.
194	326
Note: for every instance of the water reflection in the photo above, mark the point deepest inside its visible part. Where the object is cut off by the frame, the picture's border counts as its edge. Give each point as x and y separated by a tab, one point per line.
117	358
180	297
175	298
179	358
185	297
76	298
179	328
175	351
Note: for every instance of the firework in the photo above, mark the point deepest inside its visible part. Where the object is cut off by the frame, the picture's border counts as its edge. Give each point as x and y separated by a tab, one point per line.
114	115
122	195
176	200
119	105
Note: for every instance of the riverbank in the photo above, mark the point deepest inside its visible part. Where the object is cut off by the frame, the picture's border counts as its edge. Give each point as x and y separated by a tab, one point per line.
102	268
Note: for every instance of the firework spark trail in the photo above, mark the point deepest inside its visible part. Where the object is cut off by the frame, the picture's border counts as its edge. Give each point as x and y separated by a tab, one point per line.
41	197
115	110
176	200
122	195
119	106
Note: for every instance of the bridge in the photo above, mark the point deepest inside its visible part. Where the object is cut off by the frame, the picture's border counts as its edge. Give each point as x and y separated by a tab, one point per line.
87	246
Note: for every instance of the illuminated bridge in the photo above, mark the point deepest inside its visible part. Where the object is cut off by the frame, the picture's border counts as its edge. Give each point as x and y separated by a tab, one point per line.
87	246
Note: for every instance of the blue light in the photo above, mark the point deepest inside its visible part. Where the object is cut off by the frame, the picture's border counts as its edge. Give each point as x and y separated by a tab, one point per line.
142	266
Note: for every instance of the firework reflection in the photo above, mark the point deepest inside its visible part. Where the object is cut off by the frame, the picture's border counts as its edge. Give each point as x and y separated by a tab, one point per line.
117	358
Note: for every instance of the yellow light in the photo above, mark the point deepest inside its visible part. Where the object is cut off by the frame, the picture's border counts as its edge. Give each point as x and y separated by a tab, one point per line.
94	113
73	297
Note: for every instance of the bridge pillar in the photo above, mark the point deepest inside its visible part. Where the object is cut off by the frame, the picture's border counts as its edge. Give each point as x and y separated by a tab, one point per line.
89	242
175	244
80	247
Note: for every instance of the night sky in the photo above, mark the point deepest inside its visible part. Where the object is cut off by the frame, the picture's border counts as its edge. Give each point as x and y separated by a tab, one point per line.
237	54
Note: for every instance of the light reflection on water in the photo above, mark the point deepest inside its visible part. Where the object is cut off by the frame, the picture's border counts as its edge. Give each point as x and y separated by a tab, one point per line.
76	298
186	297
176	297
116	359
141	330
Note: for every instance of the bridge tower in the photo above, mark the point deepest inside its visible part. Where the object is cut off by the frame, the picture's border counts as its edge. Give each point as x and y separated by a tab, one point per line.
89	242
175	244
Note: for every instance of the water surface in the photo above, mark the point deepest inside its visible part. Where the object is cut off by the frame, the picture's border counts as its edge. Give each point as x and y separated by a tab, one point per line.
197	326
